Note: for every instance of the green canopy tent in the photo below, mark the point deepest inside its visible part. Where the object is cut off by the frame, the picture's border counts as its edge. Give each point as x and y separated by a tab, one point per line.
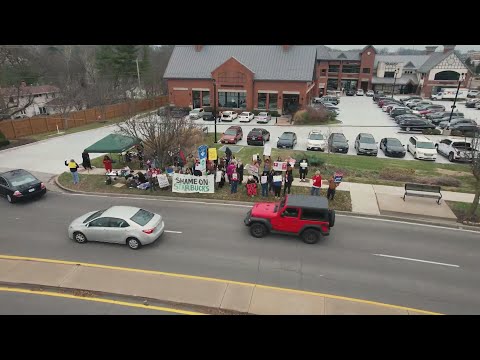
113	143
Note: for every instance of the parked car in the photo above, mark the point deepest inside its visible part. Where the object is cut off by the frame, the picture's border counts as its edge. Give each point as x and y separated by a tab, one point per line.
302	215
232	135
287	140
410	98
392	147
400	118
330	106
258	136
360	92
229	116
365	144
196	113
422	148
455	150
128	225
415	124
350	92
477	105
465	129
378	96
369	93
19	184
413	102
337	142
420	104
316	141
473	93
263	117
331	99
399	111
430	109
441	114
208	116
445	119
470	103
446	125
246	116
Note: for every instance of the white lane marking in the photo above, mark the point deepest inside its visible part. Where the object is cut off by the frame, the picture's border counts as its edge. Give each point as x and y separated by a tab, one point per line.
418	260
172	231
408	223
249	206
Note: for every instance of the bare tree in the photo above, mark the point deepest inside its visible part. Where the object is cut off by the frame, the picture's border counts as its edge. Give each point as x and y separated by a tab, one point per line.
163	135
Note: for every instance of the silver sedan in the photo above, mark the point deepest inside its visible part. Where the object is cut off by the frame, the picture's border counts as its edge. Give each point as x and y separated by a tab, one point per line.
128	225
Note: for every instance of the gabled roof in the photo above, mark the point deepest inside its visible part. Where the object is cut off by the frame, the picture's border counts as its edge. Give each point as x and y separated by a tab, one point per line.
29	90
341	56
416	60
409	65
269	62
433	61
333	55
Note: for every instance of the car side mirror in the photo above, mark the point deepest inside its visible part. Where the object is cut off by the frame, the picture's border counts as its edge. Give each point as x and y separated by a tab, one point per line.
87	224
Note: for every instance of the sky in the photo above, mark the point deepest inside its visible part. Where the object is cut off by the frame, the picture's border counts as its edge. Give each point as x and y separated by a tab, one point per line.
463	48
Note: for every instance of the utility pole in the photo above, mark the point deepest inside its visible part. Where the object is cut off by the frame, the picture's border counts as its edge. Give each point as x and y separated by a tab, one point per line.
215	107
138	74
460	79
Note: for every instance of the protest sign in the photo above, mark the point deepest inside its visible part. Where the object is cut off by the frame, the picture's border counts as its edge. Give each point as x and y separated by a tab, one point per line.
182	183
264	179
202	151
218	176
279	166
212	154
277	178
251	169
267	150
163	181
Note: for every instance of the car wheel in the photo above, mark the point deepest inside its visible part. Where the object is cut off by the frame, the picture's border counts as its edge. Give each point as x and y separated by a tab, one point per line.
258	230
310	236
133	243
79	237
331	218
451	158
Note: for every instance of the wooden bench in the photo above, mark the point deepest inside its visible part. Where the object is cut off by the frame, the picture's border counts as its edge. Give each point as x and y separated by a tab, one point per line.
423	190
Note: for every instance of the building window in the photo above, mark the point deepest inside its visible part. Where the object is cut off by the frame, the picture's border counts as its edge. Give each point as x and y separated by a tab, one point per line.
42	110
351	69
447	75
196	99
333	68
272	101
236	100
389	74
366	70
332	84
262	101
23	112
205	98
324	72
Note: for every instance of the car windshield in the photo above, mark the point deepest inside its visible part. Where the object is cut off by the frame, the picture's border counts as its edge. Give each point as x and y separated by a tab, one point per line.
263	114
22	180
425	145
226	114
244	114
286	136
316	137
394	142
142	217
340	138
367	140
256	132
195	111
461	145
93	216
231	132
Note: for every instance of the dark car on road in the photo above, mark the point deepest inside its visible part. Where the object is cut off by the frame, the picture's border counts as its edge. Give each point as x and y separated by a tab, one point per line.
19	184
287	140
208	116
258	136
416	124
337	142
365	144
392	147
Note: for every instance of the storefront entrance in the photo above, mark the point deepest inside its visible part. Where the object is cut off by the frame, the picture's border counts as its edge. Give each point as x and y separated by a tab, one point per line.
290	103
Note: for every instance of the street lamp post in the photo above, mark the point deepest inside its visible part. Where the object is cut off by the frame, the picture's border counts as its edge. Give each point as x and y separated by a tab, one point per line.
215	107
460	79
397	70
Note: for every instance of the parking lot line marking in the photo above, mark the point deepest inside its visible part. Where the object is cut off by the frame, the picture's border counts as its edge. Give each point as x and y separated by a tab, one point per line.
184	276
107	301
418	260
172	231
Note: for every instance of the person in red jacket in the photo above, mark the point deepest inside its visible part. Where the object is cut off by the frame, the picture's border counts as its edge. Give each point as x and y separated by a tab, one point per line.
107	163
316	183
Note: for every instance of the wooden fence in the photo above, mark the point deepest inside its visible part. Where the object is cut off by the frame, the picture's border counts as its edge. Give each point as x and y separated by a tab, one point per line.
13	129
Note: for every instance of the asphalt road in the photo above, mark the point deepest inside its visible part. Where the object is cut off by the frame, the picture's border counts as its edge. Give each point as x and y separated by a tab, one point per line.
14	303
214	242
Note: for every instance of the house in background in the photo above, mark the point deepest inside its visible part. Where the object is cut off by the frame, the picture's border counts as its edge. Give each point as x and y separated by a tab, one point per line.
32	99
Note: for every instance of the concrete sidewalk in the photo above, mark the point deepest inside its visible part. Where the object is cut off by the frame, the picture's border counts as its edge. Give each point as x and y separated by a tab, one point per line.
186	289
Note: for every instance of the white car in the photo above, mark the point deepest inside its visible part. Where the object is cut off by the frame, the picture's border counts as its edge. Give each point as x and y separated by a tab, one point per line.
229	116
360	92
410	103
455	150
263	117
477	105
370	93
422	148
246	116
316	141
473	93
196	113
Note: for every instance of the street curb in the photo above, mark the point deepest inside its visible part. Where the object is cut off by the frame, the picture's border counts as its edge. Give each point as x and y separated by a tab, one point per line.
449	224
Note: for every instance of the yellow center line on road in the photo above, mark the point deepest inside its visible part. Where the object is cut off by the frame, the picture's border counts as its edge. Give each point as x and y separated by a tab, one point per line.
184	276
106	301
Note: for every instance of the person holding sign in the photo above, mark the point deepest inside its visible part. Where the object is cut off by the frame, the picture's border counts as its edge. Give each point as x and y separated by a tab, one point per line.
303	169
251	186
277	183
264	182
233	183
316	183
240	171
288	179
332	186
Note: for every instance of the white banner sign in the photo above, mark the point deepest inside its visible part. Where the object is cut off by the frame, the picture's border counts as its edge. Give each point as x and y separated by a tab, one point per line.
277	178
182	183
279	166
163	181
251	169
267	150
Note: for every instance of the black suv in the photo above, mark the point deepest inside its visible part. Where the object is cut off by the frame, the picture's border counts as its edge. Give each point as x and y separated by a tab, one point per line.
337	142
416	124
208	116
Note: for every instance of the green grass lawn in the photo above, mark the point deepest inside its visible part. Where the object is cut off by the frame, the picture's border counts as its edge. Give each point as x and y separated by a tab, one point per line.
460	210
96	183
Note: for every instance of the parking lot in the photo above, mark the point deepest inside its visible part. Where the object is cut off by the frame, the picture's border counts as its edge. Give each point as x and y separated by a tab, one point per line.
358	114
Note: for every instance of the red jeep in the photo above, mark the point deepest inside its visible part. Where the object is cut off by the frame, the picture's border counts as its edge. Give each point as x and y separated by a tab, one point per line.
304	215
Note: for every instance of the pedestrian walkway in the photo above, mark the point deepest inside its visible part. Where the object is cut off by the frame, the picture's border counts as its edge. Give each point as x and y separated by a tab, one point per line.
186	289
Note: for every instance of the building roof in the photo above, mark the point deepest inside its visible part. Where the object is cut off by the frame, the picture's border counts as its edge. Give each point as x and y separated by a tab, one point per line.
403	80
433	60
29	90
307	201
415	60
270	62
325	53
113	143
